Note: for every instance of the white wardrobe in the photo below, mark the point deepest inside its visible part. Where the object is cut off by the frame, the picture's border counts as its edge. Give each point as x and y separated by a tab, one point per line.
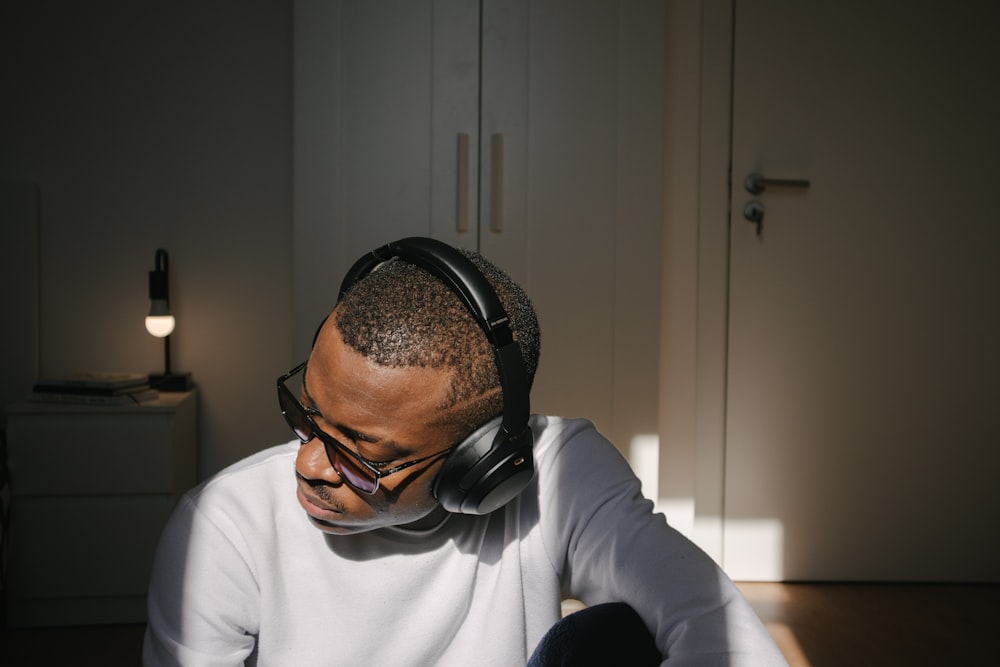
530	131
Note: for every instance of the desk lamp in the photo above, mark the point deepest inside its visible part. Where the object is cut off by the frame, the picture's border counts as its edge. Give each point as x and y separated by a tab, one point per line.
160	323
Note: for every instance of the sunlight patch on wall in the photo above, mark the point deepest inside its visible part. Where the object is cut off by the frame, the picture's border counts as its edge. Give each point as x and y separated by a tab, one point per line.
644	457
680	514
753	549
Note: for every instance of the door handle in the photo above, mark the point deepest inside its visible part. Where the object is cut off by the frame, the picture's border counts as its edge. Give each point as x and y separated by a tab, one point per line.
462	187
496	183
756	183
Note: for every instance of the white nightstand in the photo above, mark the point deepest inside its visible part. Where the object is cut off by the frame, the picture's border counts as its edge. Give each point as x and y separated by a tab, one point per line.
92	487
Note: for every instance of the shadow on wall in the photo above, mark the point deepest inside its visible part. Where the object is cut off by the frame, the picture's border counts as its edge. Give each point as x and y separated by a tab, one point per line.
19	264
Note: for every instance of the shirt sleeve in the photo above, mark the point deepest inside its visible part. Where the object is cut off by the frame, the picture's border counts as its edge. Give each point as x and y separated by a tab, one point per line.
202	596
617	550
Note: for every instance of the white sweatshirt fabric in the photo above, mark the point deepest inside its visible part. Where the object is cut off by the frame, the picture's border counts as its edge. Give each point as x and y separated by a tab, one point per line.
242	577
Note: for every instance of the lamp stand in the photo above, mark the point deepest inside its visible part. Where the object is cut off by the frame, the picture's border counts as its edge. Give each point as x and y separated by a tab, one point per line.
168	381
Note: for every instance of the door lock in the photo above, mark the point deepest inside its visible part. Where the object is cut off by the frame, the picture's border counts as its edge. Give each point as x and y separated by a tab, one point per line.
754	212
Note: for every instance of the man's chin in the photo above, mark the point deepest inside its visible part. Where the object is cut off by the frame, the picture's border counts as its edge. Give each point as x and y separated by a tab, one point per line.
338	529
427	522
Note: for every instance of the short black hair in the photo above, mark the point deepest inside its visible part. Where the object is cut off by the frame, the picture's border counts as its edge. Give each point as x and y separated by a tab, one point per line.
400	315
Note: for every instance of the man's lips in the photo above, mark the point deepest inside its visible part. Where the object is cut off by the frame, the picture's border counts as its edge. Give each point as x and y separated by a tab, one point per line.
316	508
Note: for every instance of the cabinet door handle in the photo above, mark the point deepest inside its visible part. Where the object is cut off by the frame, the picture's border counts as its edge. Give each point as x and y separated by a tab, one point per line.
496	183
462	216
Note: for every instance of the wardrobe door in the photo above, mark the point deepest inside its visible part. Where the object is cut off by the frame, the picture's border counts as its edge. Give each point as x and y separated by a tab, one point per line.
385	93
572	95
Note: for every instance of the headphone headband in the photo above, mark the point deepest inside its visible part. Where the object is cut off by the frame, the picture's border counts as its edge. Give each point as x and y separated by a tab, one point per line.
494	463
466	280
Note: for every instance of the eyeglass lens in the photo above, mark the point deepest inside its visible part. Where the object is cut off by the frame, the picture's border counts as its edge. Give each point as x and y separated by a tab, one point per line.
345	465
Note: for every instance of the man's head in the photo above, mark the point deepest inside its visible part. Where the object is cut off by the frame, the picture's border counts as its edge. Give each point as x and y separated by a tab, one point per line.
400	315
400	371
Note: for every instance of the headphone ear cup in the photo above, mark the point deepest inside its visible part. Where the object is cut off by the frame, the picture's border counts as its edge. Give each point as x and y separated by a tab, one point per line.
487	470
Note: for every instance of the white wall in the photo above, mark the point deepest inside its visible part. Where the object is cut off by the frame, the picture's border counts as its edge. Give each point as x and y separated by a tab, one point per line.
160	125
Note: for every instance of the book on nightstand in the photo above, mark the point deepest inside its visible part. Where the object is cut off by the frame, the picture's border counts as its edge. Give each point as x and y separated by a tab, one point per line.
95	389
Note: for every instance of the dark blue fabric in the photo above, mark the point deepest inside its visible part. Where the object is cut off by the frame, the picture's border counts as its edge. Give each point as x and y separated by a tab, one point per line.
605	634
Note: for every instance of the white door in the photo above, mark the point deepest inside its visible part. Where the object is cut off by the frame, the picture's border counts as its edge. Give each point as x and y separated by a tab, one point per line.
863	400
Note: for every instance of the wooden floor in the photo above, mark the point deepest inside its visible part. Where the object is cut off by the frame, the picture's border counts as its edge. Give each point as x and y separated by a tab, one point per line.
834	625
816	625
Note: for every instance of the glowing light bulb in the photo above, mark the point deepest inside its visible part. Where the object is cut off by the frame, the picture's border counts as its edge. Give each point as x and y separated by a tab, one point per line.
161	323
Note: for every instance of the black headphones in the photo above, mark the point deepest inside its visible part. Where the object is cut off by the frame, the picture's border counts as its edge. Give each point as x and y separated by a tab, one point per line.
495	462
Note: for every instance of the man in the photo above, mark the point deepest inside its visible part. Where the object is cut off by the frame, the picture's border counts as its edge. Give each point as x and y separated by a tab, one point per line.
421	517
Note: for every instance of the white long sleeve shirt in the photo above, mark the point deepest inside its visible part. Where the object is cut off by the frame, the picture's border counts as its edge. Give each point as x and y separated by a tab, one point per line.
242	576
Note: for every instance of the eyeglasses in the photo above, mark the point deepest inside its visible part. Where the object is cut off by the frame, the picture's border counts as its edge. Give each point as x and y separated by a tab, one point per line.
358	472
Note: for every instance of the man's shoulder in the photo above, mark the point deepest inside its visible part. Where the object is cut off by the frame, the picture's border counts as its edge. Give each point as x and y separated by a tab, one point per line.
575	448
256	470
553	434
263	457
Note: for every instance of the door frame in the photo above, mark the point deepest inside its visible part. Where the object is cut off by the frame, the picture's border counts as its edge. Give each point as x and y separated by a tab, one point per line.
695	279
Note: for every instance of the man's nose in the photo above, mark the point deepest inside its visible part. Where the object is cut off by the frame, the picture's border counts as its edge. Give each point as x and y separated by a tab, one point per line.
313	463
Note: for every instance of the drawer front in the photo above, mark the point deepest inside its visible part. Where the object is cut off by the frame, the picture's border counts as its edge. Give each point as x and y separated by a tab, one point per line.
75	546
92	453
